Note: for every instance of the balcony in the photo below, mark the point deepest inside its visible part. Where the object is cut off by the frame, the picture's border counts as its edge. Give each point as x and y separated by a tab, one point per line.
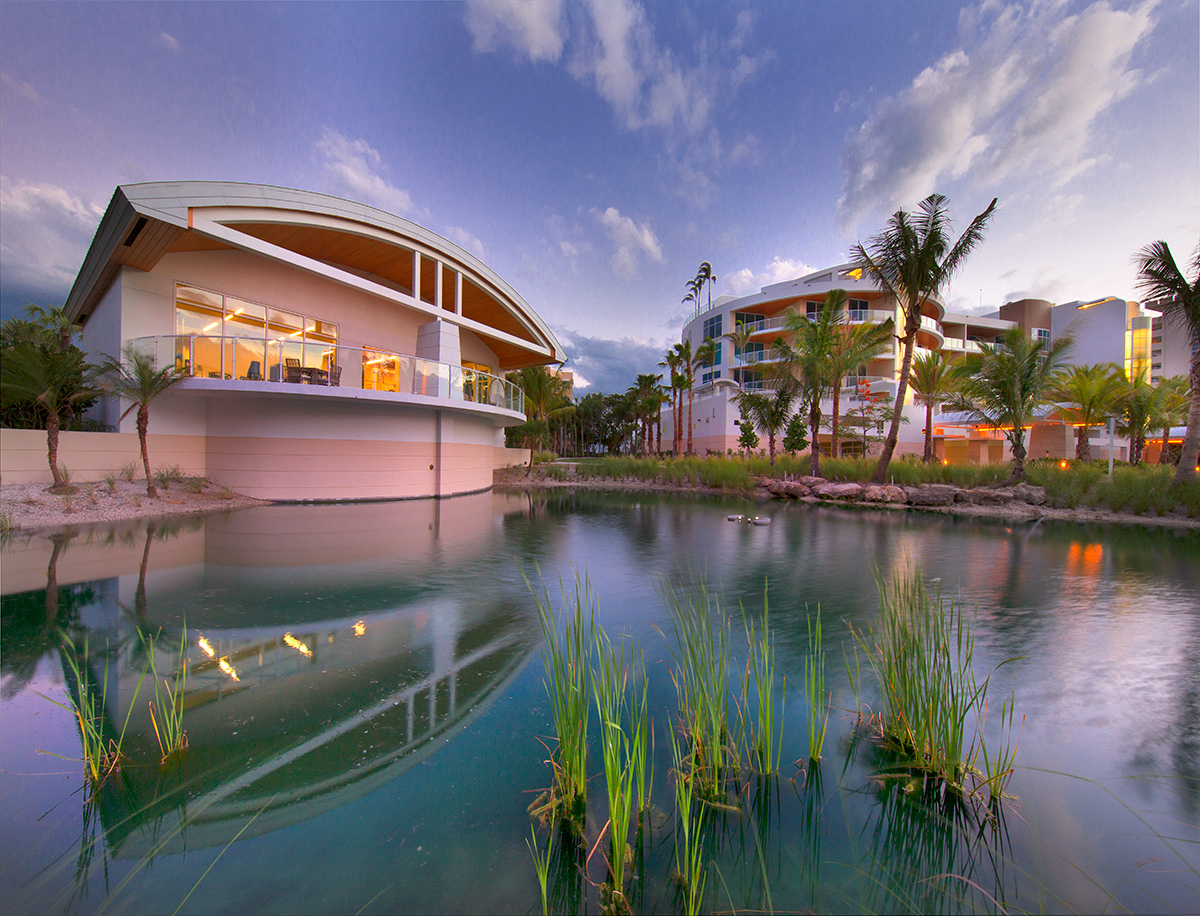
293	366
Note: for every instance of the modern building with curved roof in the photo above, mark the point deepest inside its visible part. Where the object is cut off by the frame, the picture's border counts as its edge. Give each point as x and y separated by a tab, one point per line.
331	350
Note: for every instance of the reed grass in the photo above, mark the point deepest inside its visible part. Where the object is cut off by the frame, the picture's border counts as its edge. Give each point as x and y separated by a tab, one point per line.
566	657
763	737
166	709
814	683
998	762
700	656
541	862
619	717
689	818
921	655
102	753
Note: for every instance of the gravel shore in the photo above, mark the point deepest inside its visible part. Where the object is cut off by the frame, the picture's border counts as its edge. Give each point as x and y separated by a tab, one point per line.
30	507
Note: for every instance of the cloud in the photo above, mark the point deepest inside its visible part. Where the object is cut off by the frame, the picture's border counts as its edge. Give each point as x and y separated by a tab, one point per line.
745	281
463	239
21	88
607	365
44	234
535	28
1021	96
170	42
352	169
630	240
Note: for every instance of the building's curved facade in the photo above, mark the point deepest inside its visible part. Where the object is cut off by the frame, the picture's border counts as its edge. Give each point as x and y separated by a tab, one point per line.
332	350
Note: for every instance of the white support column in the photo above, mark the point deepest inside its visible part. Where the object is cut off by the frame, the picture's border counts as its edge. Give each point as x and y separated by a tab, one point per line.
416	284
437	284
458	292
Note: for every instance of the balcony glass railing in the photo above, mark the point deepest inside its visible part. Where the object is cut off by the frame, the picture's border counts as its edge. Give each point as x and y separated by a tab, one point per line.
251	359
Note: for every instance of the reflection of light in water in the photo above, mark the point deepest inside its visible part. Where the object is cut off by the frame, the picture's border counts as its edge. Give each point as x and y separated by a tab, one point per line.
297	645
360	628
228	669
207	647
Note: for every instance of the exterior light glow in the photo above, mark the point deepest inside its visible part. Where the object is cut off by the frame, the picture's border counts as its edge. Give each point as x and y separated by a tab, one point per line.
209	327
360	628
206	647
228	668
297	645
1063	464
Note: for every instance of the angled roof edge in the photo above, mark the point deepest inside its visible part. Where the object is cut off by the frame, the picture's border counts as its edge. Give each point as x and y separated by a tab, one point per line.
170	201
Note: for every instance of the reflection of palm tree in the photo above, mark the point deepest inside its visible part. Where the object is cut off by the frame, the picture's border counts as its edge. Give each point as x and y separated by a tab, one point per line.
1160	279
912	260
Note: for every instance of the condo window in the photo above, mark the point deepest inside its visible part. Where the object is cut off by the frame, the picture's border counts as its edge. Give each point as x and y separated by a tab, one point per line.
712	327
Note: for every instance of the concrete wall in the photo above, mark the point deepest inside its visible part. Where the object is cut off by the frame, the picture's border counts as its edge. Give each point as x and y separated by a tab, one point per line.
510	457
89	456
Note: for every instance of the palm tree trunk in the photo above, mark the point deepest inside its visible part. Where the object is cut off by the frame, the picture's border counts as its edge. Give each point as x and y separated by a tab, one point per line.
814	425
928	456
658	430
52	427
1018	445
1186	469
834	445
689	451
1083	445
143	424
889	444
1162	453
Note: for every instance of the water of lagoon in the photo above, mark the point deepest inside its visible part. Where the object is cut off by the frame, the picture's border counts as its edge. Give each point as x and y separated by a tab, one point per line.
370	743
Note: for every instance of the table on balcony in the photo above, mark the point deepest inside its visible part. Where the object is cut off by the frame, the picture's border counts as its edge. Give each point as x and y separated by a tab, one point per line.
307	375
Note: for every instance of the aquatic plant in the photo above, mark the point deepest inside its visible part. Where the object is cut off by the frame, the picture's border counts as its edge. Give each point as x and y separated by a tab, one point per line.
541	862
814	683
763	736
567	660
690	868
921	654
620	725
102	754
166	709
700	657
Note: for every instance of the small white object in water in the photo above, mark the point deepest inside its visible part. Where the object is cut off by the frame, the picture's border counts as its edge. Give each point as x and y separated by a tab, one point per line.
735	518
759	520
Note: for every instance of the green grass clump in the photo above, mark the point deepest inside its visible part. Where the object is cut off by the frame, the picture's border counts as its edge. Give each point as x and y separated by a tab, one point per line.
1135	489
921	653
700	671
567	660
166	709
690	869
814	684
763	736
102	753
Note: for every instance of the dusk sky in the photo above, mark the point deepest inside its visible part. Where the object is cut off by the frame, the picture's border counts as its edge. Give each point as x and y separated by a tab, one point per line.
594	153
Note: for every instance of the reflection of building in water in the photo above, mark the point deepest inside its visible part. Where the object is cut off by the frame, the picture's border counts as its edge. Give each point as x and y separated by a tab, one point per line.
284	724
327	647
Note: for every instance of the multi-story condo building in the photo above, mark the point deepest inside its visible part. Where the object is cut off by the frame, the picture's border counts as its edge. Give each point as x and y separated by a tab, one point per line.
331	350
1106	330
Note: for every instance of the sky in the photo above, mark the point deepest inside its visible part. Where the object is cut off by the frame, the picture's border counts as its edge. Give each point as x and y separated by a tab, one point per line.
594	153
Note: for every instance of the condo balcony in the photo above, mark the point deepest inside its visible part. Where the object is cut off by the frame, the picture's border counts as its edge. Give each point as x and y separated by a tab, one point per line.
289	366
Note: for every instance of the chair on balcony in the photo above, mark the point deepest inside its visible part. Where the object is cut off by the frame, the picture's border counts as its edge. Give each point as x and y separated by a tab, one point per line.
335	376
254	373
292	370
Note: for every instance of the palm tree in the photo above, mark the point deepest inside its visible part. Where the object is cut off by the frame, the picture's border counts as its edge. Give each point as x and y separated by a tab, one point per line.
805	347
1161	280
705	356
739	338
687	370
912	260
694	288
646	397
705	277
1005	384
933	383
768	412
852	346
1140	406
1175	402
672	362
545	397
1087	397
54	378
139	381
